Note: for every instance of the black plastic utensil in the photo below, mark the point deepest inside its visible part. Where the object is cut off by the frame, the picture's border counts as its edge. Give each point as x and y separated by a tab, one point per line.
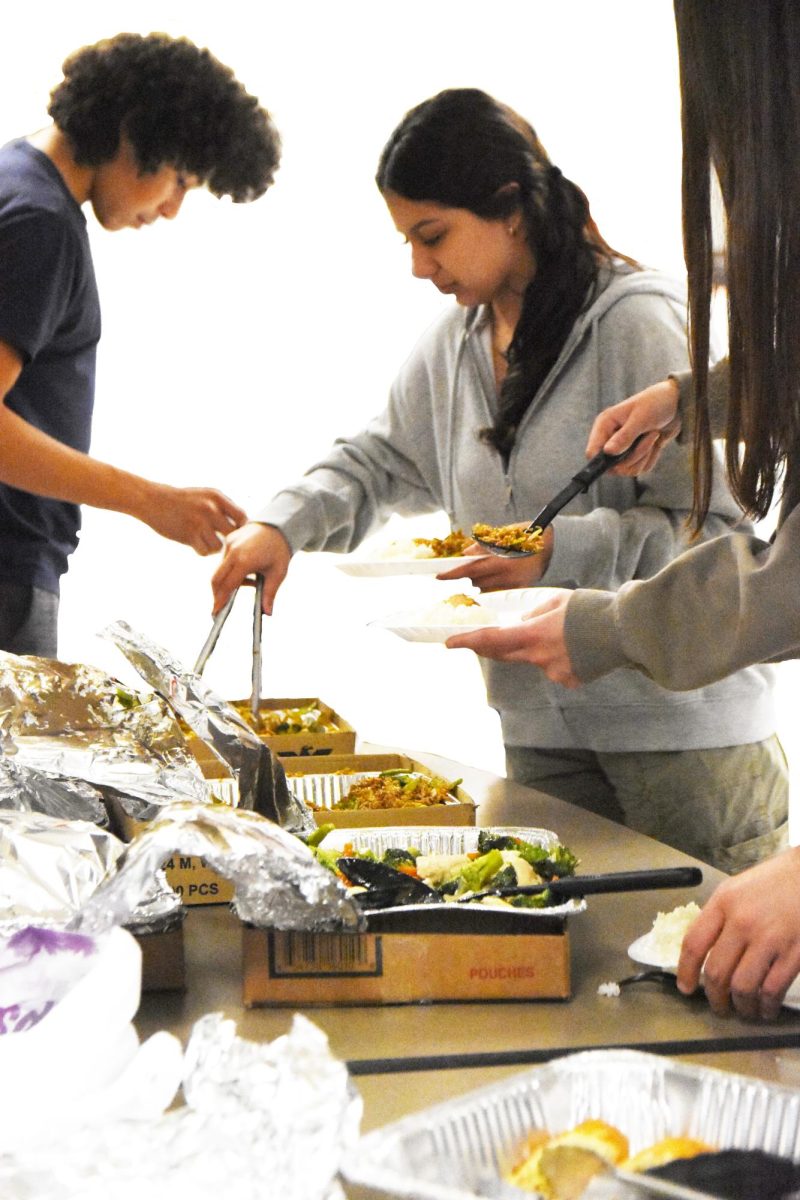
581	482
615	881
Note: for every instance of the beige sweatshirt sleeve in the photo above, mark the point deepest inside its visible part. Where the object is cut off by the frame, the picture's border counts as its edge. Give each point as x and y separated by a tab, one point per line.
718	379
720	606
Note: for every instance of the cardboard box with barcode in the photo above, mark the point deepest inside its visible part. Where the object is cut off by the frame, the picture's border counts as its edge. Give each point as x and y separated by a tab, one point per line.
324	783
290	968
448	951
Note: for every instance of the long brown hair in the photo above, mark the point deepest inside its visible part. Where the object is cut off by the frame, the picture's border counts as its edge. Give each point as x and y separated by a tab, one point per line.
462	148
740	91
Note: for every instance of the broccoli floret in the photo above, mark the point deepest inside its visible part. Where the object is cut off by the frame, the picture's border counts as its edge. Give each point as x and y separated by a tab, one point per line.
493	841
316	836
450	888
535	855
560	861
539	900
475	877
507	877
328	858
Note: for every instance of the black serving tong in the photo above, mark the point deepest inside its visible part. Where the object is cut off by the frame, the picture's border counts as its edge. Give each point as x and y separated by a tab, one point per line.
258	583
581	482
586	885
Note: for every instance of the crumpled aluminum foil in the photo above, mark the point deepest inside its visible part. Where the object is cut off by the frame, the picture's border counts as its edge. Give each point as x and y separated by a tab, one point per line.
73	875
277	880
260	1121
261	778
51	868
25	790
72	720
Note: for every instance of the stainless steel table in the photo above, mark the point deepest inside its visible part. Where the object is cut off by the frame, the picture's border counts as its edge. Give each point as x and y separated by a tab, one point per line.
376	1041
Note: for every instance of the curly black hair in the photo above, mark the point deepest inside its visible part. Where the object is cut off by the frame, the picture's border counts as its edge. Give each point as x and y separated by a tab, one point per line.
178	106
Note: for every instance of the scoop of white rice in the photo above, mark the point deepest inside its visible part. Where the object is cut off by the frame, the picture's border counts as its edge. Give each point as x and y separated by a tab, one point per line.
458	614
669	928
405	548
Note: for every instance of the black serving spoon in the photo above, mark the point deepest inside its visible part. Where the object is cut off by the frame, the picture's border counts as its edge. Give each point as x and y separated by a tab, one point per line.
581	482
586	885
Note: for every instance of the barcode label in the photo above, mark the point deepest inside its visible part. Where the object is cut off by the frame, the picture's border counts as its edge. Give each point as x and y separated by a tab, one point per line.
317	954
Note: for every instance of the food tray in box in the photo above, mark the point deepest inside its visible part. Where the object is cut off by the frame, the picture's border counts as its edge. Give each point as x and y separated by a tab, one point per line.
338	740
460	1150
451	839
324	783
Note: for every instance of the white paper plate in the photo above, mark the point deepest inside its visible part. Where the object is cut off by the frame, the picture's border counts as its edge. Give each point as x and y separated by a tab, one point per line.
642	952
381	567
508	608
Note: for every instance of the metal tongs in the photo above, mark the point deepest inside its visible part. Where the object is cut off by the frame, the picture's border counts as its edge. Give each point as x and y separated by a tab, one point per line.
581	482
219	620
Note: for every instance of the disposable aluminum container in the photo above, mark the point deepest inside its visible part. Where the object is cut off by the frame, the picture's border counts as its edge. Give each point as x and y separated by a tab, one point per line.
452	839
462	1149
328	789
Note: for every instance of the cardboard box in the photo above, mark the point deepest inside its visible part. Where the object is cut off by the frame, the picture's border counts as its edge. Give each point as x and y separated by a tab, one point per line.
284	968
460	812
163	961
342	740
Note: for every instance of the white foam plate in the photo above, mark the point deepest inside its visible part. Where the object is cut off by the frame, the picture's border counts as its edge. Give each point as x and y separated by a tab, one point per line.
642	952
508	608
382	567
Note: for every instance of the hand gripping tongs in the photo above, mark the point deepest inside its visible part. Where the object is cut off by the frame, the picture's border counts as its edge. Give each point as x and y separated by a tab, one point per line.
216	629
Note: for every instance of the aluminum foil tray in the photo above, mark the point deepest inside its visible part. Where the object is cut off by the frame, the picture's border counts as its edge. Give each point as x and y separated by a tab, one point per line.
432	839
327	790
461	1150
451	839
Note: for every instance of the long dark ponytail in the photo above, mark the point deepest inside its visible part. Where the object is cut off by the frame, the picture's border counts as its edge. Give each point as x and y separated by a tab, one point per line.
461	149
740	92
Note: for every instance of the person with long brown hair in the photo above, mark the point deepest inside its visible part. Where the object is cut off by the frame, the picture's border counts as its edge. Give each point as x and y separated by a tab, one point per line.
484	422
733	601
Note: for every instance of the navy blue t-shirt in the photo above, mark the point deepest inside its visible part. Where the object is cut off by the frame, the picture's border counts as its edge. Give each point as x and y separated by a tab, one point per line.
49	314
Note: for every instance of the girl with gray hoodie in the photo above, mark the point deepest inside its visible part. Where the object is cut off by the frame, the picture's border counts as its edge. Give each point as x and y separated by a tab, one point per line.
485	420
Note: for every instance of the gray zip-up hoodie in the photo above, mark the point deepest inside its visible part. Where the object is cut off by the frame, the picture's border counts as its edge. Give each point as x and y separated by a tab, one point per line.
423	454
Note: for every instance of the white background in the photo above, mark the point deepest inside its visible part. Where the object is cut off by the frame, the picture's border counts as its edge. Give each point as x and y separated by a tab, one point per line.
241	339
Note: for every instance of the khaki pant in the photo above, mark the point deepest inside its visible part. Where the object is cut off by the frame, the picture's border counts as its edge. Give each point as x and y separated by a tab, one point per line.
727	806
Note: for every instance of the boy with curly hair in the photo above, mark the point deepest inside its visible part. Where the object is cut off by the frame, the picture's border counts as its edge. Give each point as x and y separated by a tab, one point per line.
138	121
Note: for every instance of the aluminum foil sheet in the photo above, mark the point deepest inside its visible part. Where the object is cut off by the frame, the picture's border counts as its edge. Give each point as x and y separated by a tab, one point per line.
277	880
260	1121
50	869
24	790
462	1149
261	779
72	720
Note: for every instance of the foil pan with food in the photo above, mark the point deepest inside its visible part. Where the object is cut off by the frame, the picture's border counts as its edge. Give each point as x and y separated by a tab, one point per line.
396	787
450	876
72	721
644	1115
